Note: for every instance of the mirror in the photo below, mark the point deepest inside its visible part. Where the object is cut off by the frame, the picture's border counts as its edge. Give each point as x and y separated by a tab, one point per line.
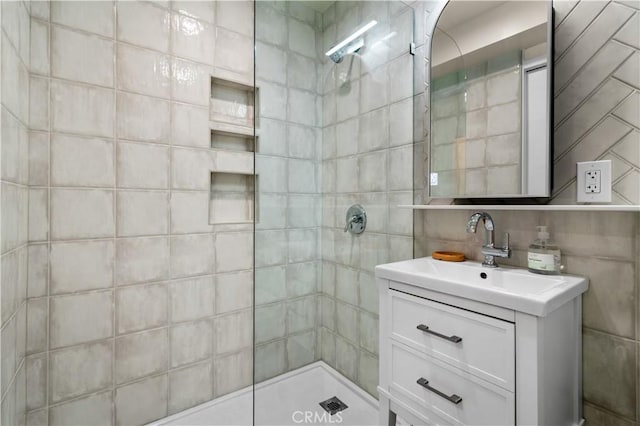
490	93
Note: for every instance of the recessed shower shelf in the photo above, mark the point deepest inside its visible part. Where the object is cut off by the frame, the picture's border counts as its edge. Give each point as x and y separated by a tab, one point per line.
232	103
231	198
525	207
232	138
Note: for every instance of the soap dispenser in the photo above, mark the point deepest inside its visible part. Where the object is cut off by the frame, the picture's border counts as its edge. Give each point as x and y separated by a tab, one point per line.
544	255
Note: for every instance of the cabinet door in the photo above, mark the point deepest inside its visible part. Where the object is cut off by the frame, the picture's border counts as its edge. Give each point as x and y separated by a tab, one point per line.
432	387
475	343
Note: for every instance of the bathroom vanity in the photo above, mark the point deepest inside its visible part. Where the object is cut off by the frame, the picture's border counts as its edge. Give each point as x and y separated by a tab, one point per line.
465	344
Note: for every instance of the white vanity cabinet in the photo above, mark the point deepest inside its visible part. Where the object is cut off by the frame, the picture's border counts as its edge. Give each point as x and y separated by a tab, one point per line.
451	360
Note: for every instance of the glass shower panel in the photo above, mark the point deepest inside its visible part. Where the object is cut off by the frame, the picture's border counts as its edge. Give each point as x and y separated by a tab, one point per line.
334	129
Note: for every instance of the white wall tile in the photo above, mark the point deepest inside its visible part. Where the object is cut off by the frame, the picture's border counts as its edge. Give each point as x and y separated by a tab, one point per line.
191	82
272	28
192	299
273	100
301	349
91	364
302	279
91	215
270	285
77	266
81	57
190	386
302	176
272	174
374	131
192	255
301	107
143	118
190	212
232	372
270	248
272	62
36	370
302	245
235	15
400	174
191	168
191	342
39	56
144	24
79	161
92	16
233	332
133	357
97	407
302	38
37	329
143	71
38	214
38	270
81	318
82	109
197	9
142	213
141	307
372	172
190	126
234	251
234	291
142	402
234	52
142	166
192	38
14	81
38	159
142	259
39	104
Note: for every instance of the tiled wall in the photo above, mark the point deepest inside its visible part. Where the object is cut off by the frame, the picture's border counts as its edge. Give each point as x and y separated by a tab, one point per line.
138	307
597	48
288	170
366	159
14	193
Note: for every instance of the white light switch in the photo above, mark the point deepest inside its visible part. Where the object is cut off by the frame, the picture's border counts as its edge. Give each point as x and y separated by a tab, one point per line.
594	181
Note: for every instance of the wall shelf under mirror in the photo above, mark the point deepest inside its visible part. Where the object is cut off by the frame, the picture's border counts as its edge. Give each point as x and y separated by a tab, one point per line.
525	207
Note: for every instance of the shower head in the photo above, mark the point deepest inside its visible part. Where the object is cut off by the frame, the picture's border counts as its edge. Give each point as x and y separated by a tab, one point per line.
350	44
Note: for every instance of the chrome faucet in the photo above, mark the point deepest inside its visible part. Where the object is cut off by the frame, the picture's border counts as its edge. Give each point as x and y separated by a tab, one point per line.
488	249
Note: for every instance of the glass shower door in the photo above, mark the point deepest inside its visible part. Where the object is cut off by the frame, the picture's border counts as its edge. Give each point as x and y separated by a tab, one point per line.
335	109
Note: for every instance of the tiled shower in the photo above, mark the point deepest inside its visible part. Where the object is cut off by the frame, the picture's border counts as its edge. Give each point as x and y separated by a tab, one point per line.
173	200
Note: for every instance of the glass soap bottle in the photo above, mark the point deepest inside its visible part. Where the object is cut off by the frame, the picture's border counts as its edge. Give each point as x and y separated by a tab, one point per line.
544	255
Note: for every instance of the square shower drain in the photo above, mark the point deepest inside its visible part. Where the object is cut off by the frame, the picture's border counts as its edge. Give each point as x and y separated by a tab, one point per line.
333	405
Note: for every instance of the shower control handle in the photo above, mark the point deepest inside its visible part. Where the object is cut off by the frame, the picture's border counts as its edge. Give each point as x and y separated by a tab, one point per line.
356	219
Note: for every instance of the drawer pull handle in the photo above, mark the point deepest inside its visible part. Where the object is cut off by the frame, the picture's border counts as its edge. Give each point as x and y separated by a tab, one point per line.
453	398
454	339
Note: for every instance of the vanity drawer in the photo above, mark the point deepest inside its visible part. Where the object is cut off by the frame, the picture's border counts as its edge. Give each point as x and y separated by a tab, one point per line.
475	343
480	403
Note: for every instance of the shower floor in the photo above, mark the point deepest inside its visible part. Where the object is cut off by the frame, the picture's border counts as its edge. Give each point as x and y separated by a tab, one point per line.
285	400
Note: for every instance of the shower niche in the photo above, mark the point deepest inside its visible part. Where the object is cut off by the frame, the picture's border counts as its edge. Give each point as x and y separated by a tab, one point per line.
232	102
231	198
232	180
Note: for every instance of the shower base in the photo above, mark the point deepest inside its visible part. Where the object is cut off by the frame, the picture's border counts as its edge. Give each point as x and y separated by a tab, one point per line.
289	399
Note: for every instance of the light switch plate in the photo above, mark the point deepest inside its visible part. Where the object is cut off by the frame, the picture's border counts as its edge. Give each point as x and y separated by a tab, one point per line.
594	181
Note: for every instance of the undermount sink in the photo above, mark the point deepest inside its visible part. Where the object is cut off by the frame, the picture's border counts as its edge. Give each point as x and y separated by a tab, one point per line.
511	288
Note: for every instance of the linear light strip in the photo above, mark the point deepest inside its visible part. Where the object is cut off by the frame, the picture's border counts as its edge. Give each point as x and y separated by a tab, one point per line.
352	37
